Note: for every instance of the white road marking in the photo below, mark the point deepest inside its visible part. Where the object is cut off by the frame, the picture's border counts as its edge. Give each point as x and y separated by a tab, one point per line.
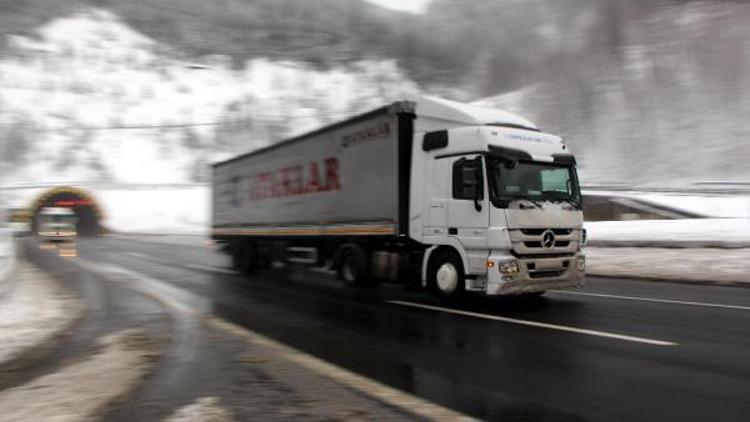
576	330
210	269
656	300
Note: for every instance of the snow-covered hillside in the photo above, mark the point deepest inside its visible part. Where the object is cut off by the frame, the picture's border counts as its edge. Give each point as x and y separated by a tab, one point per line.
90	99
664	108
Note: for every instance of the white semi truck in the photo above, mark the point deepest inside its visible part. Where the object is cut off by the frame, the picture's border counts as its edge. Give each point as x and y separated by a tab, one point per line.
461	198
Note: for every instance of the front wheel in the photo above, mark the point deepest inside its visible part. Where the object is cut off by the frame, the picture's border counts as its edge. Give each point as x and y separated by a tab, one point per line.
447	277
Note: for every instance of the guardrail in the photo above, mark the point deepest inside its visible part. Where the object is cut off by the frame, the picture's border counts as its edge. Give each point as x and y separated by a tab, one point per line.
7	252
697	189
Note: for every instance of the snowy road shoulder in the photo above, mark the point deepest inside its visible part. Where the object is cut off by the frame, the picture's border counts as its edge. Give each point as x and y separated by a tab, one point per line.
700	265
35	315
79	392
686	233
7	254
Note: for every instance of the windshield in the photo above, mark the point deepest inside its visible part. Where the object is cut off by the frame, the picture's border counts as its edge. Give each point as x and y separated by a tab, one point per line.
59	219
533	181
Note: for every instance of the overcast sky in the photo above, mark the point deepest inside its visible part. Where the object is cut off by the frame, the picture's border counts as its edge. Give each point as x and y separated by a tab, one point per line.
414	6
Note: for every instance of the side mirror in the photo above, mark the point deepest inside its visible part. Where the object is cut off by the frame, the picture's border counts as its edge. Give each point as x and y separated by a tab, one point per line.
473	186
510	164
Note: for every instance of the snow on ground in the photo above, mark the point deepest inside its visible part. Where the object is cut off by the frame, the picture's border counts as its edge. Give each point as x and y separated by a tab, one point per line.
7	253
33	313
721	266
79	391
205	409
718	232
718	206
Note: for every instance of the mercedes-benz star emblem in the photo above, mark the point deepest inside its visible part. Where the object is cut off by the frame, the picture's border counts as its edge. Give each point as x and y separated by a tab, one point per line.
548	239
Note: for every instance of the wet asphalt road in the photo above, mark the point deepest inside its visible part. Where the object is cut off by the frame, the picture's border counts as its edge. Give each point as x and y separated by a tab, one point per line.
607	352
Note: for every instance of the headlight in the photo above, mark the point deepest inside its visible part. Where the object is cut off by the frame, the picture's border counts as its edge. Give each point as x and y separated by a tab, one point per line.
508	268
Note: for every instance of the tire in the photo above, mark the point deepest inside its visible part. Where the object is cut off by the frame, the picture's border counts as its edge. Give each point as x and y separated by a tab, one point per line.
446	276
237	260
244	259
354	265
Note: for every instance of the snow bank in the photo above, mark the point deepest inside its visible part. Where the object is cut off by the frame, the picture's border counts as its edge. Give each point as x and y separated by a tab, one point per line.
7	252
205	409
79	391
34	313
709	232
718	206
701	265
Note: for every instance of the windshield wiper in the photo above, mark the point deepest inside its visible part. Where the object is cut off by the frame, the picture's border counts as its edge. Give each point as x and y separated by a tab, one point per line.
526	198
560	196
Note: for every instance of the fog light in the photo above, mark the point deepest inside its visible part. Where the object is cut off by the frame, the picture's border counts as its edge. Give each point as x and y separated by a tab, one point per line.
581	263
509	268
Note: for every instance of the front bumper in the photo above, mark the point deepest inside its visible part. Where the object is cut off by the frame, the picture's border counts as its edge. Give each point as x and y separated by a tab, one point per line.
57	237
535	274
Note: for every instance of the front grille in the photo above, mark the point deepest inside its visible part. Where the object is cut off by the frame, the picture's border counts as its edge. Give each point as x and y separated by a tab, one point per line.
541	256
546	274
538	232
533	232
530	241
558	244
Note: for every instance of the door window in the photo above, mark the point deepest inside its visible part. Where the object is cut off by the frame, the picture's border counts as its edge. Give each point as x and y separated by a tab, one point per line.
468	179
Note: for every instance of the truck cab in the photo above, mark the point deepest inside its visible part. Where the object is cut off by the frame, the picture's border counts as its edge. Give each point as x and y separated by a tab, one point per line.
499	203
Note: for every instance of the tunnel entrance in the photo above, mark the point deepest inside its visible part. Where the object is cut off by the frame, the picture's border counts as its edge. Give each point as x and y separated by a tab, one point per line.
81	202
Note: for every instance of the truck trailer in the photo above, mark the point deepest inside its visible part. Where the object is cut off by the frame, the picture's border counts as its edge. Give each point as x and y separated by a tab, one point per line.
455	197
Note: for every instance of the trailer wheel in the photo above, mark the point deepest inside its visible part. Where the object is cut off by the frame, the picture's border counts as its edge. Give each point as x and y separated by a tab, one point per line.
237	260
247	259
446	275
353	265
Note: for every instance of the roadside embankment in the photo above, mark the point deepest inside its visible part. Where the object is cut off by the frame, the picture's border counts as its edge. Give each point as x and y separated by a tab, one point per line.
708	251
726	233
36	314
7	253
699	265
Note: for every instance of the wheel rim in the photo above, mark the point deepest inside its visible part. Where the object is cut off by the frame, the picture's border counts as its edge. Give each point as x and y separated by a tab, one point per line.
447	278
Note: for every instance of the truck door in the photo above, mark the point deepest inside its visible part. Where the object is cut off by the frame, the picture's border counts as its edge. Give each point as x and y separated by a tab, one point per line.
468	205
437	194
